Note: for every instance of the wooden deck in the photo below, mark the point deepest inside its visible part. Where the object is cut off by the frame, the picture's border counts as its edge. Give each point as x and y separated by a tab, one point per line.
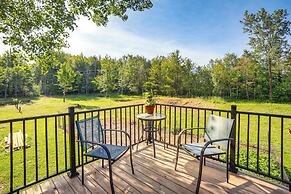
156	176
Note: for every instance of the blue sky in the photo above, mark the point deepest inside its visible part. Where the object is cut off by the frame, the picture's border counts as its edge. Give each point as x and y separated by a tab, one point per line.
200	29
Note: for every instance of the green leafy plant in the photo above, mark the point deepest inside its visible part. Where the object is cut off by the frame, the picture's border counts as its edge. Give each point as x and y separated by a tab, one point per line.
150	101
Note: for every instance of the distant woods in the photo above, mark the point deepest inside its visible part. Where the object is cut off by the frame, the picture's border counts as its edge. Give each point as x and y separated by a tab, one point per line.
264	72
233	77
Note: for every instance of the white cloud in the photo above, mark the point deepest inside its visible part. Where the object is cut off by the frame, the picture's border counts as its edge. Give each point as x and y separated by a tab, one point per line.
116	42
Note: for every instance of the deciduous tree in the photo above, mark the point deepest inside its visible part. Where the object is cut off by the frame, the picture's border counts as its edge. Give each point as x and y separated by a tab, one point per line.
267	36
66	77
40	27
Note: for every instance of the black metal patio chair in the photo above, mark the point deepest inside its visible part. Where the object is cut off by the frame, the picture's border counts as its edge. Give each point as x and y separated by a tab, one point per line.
216	140
91	137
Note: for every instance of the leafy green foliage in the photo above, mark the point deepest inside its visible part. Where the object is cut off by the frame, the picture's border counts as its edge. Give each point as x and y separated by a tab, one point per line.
267	37
107	81
39	28
66	77
150	101
15	76
231	77
246	78
263	162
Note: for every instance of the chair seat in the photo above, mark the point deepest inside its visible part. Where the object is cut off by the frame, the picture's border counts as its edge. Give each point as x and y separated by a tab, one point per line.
196	148
115	151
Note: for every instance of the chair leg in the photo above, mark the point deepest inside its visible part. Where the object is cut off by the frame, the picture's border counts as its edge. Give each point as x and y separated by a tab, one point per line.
148	138
199	175
110	177
102	163
153	141
227	164
131	163
82	160
177	156
164	144
141	138
204	161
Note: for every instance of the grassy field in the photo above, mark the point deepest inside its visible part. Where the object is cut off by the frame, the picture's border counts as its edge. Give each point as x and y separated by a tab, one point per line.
51	105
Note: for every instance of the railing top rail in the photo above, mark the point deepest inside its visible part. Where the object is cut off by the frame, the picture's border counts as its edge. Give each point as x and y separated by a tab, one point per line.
65	114
126	106
33	117
111	108
222	110
264	114
194	107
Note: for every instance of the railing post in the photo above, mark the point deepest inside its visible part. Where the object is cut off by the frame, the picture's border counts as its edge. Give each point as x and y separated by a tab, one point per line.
72	172
232	144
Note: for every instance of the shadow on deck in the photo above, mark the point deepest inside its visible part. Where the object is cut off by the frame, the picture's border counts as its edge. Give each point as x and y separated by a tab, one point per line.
156	175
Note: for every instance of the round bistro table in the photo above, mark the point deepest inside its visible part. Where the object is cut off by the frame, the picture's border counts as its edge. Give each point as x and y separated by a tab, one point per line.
151	121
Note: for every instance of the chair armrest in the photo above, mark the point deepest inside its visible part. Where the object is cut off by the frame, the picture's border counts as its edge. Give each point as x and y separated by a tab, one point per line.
120	131
215	140
101	145
184	130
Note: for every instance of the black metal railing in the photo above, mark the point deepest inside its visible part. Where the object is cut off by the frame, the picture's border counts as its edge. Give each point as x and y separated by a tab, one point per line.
51	143
45	155
261	145
262	142
261	139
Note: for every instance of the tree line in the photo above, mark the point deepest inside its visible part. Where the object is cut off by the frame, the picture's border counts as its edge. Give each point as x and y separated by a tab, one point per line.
235	77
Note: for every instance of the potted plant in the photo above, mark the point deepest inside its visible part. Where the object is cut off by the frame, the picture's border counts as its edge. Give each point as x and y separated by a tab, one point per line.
150	105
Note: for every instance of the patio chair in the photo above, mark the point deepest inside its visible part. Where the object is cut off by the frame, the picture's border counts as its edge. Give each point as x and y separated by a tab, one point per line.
91	137
217	133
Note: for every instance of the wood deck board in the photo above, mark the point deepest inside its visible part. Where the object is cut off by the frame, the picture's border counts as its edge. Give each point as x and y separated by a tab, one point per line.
119	182
155	185
75	185
62	185
156	175
91	185
168	183
48	187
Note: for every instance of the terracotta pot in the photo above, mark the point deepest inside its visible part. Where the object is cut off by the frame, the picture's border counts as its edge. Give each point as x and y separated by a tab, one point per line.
150	109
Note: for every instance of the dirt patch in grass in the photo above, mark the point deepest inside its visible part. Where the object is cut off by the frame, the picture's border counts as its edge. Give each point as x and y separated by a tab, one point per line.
123	100
196	102
129	102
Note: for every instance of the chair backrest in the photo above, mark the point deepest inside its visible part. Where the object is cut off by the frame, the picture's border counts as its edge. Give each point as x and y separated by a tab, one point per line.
218	128
90	130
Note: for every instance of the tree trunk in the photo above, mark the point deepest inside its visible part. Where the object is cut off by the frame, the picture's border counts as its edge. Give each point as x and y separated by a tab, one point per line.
237	88
5	91
247	89
6	87
64	96
230	91
15	89
43	85
270	82
255	85
87	82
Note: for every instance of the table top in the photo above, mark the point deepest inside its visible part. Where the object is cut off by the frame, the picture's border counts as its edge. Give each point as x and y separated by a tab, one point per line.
151	117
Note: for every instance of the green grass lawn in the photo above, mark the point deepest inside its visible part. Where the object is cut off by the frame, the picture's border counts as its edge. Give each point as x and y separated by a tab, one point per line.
51	105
